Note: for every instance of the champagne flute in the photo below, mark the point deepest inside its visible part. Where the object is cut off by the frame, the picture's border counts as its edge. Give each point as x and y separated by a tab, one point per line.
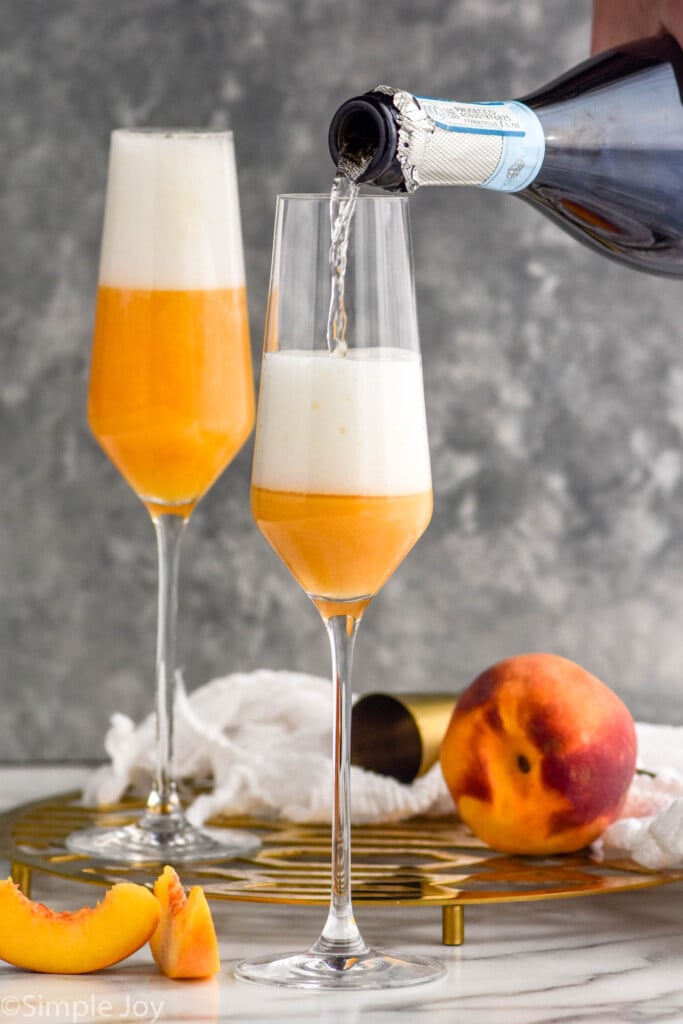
170	399
341	489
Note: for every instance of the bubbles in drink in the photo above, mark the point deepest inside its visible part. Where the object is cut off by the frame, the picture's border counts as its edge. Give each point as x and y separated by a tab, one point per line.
354	426
172	217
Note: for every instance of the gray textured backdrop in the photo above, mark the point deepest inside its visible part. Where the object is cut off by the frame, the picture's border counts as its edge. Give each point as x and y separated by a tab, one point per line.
554	378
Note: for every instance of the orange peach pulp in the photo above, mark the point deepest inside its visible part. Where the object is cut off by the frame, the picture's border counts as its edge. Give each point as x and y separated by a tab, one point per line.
184	944
36	938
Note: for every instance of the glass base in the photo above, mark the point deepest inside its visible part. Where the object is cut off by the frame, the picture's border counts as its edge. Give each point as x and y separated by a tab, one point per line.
373	969
134	844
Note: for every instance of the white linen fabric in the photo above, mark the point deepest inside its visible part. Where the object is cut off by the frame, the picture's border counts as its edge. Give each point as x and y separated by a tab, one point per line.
264	738
650	827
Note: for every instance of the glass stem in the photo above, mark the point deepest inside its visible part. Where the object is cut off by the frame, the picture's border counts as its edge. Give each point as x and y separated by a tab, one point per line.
163	799
340	935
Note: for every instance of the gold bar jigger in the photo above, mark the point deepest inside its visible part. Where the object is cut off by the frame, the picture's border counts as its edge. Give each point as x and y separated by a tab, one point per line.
399	734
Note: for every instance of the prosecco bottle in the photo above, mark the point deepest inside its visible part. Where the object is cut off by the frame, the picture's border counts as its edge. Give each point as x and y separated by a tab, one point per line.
599	149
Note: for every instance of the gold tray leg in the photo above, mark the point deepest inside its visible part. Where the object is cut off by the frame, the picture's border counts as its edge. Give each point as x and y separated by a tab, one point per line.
453	924
21	876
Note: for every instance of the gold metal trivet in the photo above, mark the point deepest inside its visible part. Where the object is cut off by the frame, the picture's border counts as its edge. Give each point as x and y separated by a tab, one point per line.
426	861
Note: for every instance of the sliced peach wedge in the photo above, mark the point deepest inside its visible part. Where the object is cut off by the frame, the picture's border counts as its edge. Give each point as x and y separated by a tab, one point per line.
36	938
184	944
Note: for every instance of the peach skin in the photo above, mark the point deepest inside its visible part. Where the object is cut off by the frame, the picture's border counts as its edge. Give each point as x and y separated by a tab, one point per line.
538	755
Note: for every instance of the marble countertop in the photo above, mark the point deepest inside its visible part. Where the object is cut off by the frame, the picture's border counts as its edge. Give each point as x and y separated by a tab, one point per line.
610	959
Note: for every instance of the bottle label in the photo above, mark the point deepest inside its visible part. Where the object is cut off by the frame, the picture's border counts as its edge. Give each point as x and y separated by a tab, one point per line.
507	133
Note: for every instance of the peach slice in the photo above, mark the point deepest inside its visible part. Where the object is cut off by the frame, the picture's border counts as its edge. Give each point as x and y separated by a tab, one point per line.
184	944
36	938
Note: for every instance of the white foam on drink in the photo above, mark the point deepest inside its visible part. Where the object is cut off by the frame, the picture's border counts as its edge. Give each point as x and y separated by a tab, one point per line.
342	425
172	216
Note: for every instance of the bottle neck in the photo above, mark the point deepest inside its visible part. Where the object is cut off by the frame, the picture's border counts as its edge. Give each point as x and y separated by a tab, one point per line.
416	141
498	146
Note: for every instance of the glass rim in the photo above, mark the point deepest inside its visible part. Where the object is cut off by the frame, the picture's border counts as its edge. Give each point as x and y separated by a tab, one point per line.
176	133
362	196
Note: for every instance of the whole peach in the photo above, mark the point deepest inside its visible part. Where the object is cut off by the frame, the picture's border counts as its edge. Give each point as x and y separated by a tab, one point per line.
538	755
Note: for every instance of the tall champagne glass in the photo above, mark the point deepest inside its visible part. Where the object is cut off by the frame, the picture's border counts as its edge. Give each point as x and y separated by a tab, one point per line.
341	489
171	397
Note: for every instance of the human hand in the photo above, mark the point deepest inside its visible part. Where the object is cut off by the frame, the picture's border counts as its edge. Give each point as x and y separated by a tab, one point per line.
620	21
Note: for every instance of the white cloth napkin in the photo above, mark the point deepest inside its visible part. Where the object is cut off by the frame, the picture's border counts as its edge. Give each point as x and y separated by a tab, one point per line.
650	828
265	738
